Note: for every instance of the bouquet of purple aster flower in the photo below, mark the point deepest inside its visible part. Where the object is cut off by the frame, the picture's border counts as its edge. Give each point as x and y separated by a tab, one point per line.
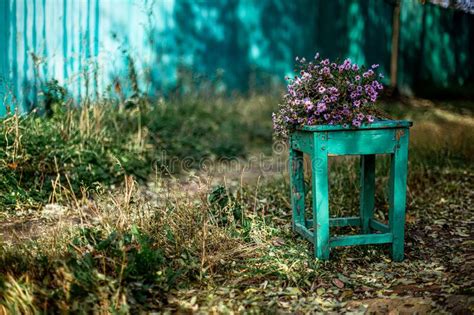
326	92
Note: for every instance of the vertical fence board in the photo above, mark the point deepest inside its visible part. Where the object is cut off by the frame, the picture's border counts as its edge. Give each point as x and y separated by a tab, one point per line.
86	44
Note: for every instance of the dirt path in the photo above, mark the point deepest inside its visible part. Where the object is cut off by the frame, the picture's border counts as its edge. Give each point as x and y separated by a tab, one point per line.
32	225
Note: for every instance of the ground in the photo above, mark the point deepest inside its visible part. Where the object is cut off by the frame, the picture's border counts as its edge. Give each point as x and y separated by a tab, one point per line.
219	240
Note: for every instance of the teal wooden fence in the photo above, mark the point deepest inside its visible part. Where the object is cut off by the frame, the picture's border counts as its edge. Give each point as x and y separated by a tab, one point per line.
90	45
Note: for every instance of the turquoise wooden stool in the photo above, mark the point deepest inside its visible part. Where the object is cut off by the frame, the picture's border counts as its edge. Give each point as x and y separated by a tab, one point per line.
319	142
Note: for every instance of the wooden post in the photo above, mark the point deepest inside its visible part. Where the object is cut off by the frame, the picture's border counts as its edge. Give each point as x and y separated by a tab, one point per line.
367	190
320	196
395	42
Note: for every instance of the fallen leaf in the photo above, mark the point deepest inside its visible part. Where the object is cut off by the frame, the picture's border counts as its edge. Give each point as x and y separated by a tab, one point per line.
278	241
338	283
346	294
410	218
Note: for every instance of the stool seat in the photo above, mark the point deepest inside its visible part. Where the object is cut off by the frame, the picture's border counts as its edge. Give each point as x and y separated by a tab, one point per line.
321	141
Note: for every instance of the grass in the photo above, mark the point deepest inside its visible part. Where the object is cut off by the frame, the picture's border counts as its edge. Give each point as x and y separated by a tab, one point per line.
77	149
157	243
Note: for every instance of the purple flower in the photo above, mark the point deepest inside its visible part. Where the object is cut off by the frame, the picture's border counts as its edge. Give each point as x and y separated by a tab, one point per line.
369	89
321	107
368	74
326	92
307	102
356	123
333	90
306	76
377	85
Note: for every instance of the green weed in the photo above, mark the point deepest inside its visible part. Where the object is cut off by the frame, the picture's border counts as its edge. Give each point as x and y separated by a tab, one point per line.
77	149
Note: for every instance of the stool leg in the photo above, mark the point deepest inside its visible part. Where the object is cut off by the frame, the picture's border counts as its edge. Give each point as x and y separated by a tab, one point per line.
367	190
320	199
397	197
297	187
